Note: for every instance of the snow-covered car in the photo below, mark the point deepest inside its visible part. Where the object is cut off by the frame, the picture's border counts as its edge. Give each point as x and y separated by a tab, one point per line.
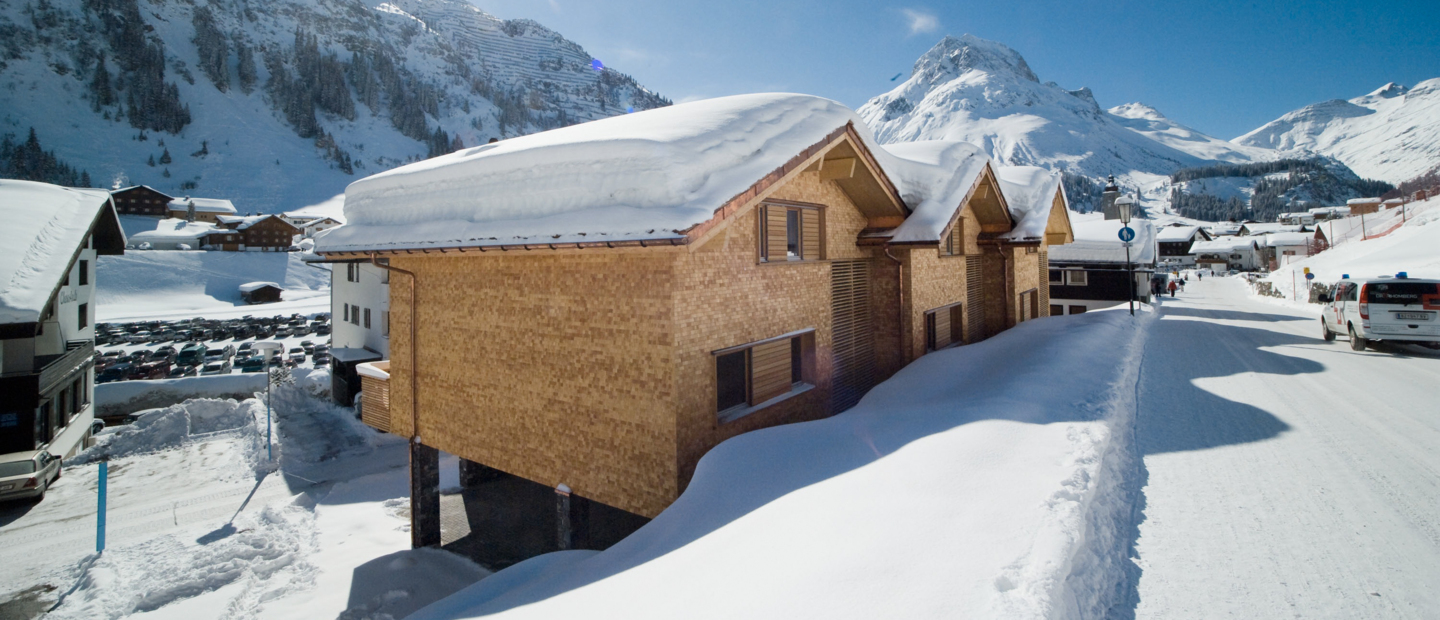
1369	309
216	368
26	475
297	355
221	354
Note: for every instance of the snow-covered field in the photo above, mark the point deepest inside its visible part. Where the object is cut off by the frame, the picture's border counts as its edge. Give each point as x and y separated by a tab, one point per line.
166	284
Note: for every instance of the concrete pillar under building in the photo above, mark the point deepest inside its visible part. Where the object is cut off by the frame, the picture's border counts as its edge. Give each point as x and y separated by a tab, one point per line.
424	496
572	519
473	474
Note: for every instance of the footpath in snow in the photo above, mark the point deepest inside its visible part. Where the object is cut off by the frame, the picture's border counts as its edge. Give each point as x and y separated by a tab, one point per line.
1287	477
985	481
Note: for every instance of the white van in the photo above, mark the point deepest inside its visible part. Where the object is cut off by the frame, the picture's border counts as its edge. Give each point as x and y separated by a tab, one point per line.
1397	309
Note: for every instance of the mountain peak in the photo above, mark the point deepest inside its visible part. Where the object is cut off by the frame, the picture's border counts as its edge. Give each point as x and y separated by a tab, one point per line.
952	57
1137	110
1389	90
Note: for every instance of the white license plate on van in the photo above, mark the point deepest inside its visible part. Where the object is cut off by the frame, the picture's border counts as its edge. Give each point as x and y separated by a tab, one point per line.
1413	316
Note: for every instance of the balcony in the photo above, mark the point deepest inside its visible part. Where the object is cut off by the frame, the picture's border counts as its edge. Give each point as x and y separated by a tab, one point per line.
57	369
375	394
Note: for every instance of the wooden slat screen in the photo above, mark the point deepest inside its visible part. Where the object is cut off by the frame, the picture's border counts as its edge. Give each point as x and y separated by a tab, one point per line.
775	233
853	345
810	234
769	370
974	297
942	328
375	403
1044	282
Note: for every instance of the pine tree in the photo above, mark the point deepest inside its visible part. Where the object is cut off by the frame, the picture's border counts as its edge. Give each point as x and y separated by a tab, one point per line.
165	173
246	67
100	91
150	162
211	47
165	157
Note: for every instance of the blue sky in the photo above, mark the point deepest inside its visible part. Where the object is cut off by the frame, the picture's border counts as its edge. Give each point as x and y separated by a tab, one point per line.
1221	67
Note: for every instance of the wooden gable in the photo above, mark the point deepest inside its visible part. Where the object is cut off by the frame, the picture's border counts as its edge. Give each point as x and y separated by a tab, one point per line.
1057	229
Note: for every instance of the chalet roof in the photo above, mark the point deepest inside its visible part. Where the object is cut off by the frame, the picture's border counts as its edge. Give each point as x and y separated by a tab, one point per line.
135	187
1288	238
250	287
1030	192
1362	201
203	205
45	226
1177	233
1331	210
933	177
1262	228
174	229
1098	241
242	222
1223	245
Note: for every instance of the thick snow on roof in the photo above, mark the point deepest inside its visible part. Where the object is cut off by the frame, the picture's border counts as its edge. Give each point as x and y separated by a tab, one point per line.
1288	238
1098	241
1222	245
1362	201
244	221
44	226
1176	233
255	286
334	208
1331	210
174	228
647	175
1262	228
932	178
1030	192
203	205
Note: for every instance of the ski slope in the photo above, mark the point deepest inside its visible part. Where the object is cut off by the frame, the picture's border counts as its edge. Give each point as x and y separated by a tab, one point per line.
158	284
1287	477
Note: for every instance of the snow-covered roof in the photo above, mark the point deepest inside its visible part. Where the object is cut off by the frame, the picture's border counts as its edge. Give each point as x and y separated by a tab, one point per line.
1223	245
203	205
1226	228
1030	193
241	222
347	355
1331	210
171	229
249	287
334	208
1176	233
44	227
1362	201
932	177
1098	241
1262	228
374	370
643	176
1395	201
1288	238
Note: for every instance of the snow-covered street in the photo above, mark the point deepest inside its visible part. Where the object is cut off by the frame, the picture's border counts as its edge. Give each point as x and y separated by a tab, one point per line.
1287	476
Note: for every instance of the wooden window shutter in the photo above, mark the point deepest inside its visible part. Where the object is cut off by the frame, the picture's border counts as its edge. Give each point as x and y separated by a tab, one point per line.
810	234
769	370
957	238
942	328
775	234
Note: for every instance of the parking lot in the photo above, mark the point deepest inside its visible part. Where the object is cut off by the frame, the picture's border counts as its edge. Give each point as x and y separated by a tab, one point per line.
144	350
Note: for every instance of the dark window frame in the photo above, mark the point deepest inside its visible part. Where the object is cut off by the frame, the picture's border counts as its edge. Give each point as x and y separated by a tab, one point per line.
801	380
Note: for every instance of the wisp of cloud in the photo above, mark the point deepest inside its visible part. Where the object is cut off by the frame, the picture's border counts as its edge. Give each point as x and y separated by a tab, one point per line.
921	21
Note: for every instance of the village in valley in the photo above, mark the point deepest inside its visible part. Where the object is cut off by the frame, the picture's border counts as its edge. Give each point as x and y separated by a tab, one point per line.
433	315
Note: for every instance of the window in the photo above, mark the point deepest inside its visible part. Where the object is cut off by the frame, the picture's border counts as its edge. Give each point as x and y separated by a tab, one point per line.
84	315
1057	309
754	374
944	326
954	242
347	312
1076	277
1077	309
355	315
1057	276
1029	305
84	272
384	276
790	233
367	318
385	322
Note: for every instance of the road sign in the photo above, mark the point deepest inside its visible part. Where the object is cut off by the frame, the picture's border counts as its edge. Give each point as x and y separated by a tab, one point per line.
1309	276
1127	234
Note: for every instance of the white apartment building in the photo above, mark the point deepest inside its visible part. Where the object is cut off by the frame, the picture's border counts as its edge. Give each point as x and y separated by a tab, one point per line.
360	315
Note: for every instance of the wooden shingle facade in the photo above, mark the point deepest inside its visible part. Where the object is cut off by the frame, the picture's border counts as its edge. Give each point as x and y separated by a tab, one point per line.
141	200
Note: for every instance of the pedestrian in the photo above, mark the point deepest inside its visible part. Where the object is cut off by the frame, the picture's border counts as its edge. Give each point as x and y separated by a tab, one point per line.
1182	285
1173	286
1199	275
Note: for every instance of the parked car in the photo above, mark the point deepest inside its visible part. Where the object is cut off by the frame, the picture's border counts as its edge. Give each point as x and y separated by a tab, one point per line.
1400	309
119	372
140	356
253	364
216	368
297	355
27	475
321	359
149	370
322	330
141	336
220	354
193	354
307	346
181	371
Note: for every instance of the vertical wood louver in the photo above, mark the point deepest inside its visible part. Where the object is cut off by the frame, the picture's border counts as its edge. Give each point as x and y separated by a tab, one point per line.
853	339
974	299
1044	288
775	219
810	228
770	370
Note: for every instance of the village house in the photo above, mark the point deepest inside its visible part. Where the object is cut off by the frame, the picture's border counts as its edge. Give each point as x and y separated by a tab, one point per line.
1281	249
593	308
1174	242
251	233
1363	206
360	312
1225	253
1260	229
1329	213
172	234
205	209
140	200
1092	272
48	247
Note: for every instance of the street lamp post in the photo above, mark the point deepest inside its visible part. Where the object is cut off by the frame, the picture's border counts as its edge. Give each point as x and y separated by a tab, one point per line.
1124	204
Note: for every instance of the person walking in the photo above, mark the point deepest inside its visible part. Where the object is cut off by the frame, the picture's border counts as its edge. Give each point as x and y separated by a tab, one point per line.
1199	275
1172	287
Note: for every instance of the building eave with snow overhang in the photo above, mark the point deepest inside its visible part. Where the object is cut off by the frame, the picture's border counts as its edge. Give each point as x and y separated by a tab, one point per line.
634	290
48	247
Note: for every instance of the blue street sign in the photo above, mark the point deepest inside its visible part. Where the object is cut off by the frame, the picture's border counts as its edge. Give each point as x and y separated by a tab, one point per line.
1309	276
1127	234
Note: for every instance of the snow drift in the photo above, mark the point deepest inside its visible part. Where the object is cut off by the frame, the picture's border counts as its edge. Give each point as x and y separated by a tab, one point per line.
985	481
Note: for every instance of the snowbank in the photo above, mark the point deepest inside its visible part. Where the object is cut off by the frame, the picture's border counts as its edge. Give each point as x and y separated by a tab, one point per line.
169	427
125	397
985	481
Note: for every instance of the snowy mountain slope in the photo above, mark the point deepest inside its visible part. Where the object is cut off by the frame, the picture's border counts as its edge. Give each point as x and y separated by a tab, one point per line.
1391	134
983	92
283	104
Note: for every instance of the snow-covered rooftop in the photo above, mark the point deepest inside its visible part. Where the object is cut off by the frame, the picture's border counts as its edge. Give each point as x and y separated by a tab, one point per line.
932	177
203	205
1098	241
1331	210
44	227
241	222
334	208
172	229
1288	238
1223	245
1176	233
1263	228
643	176
1030	193
1362	201
249	287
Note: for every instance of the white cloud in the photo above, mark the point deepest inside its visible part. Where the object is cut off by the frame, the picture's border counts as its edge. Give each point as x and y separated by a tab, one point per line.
921	21
555	6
